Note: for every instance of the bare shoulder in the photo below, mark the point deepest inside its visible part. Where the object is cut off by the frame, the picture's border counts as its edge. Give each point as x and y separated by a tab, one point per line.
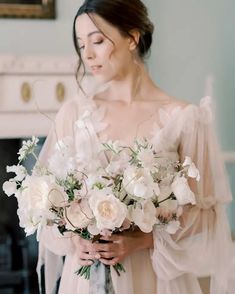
167	102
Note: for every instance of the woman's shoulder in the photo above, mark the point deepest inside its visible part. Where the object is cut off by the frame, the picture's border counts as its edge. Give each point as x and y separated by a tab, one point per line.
69	109
171	104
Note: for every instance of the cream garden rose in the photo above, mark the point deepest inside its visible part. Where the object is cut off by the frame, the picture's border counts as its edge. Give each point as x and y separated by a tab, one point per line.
109	211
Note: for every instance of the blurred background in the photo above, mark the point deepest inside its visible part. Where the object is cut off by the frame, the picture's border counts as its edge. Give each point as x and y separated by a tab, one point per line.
192	56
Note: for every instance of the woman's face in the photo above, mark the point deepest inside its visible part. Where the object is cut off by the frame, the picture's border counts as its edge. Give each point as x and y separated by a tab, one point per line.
105	52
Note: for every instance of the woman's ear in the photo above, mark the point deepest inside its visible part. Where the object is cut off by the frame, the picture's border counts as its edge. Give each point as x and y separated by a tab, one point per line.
134	39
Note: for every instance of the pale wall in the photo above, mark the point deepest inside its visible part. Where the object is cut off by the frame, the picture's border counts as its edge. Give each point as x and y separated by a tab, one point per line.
193	39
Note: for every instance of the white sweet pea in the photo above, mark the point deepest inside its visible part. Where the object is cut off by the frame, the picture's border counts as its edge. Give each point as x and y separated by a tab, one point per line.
9	188
172	227
139	183
114	146
63	160
143	215
187	161
27	148
118	164
146	158
193	172
78	215
165	192
109	211
29	223
19	170
182	191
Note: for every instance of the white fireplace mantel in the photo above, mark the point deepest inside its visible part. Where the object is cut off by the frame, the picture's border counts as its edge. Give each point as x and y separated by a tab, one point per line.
32	89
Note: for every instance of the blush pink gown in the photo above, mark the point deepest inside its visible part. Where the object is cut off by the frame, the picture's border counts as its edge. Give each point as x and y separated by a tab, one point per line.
200	248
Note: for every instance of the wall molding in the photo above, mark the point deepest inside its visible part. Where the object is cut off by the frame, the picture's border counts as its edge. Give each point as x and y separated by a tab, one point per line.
13	64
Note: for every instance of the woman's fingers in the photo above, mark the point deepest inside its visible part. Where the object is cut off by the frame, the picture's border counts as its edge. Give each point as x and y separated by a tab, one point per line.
112	261
89	255
85	262
108	254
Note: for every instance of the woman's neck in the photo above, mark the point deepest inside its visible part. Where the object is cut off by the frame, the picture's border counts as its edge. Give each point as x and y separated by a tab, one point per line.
135	85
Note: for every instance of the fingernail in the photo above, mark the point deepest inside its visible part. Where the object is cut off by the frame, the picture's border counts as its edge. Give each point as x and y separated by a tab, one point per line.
97	256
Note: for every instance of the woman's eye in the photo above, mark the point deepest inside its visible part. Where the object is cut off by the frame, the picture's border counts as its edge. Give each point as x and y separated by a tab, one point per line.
98	42
81	47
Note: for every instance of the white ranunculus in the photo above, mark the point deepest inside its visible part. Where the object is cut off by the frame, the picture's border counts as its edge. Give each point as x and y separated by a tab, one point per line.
78	215
172	227
138	182
193	172
109	211
40	193
143	215
19	170
182	191
9	188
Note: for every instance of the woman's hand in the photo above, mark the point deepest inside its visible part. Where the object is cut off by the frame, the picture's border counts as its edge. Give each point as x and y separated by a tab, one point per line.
121	245
116	247
86	251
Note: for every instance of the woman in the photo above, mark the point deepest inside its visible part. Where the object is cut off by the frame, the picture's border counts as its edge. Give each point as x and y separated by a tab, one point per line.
112	38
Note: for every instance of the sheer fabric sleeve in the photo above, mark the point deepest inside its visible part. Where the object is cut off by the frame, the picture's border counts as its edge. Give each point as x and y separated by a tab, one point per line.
53	245
202	246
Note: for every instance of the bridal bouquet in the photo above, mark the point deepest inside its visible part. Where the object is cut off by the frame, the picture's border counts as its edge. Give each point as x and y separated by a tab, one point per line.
137	189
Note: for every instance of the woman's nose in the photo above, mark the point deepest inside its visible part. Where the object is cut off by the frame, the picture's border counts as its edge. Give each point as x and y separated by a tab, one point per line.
88	53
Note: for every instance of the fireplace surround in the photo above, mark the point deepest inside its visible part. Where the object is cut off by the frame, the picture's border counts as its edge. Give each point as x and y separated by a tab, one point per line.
32	89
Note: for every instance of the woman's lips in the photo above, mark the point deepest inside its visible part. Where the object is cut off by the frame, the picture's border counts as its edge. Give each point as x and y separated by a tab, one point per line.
96	68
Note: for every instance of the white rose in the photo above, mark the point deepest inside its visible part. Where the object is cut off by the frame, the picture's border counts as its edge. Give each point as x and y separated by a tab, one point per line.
139	183
9	188
109	211
19	170
182	191
143	215
147	159
78	215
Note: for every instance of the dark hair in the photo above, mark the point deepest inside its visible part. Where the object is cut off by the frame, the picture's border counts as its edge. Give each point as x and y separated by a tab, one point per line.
125	15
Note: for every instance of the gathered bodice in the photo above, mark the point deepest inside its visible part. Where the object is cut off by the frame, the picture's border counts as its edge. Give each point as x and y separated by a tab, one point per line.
96	126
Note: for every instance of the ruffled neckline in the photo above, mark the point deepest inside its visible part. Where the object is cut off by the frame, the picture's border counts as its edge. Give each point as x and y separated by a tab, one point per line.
180	114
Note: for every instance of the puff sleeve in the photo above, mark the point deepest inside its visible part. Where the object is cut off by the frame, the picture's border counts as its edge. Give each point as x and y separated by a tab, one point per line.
202	247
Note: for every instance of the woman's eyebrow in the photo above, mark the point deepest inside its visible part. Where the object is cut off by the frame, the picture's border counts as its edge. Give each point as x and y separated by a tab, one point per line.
90	34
